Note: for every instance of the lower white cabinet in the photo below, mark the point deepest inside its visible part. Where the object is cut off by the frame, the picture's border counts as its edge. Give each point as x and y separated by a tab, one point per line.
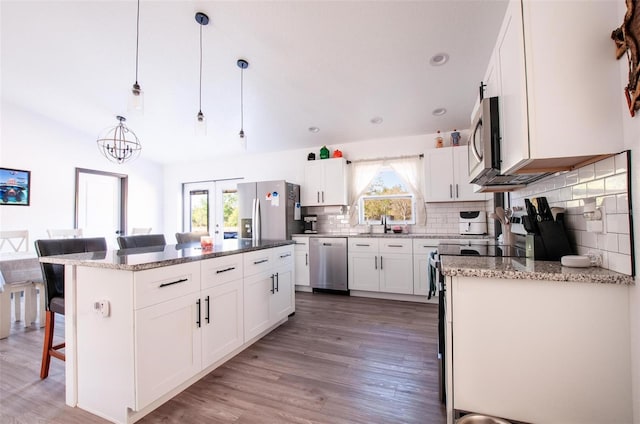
381	265
301	259
422	248
269	295
167	347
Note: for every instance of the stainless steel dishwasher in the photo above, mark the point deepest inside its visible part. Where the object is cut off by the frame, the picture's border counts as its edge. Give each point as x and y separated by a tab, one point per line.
328	263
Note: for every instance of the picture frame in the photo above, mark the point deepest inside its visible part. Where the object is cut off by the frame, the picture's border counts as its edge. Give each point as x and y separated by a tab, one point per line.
15	187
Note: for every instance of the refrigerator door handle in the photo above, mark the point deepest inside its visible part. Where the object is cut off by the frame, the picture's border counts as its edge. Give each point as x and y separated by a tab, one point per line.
257	221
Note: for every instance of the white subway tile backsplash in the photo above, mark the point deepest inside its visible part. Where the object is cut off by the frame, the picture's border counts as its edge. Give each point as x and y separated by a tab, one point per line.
622	203
605	167
624	244
586	173
579	191
616	184
595	188
608	242
589	239
571	177
621	163
619	262
610	204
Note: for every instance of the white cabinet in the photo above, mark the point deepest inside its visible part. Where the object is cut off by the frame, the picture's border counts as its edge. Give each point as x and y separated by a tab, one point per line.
269	293
422	248
543	102
167	329
447	176
222	307
325	183
301	260
381	265
168	347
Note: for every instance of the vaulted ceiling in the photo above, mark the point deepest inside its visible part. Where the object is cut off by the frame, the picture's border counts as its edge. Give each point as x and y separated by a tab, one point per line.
334	65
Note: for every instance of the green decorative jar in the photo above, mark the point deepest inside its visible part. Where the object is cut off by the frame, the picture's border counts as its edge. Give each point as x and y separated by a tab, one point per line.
324	153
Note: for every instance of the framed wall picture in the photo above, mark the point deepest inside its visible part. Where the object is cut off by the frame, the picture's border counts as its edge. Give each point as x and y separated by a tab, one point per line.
15	187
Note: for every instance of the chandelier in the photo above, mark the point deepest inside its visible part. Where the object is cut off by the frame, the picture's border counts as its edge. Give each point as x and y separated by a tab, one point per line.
119	144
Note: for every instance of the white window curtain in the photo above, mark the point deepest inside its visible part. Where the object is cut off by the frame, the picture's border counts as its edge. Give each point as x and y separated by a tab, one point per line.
409	169
362	173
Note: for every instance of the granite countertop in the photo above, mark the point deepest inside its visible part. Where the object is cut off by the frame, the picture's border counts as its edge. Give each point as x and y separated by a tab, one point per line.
527	269
141	258
404	235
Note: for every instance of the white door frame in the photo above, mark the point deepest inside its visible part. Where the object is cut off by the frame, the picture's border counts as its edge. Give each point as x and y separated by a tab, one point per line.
124	184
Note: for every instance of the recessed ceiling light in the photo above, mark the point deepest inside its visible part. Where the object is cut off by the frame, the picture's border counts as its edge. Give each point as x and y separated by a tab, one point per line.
376	120
439	59
439	111
314	129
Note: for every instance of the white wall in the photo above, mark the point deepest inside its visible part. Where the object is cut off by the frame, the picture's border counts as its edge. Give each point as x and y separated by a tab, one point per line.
631	128
52	152
288	165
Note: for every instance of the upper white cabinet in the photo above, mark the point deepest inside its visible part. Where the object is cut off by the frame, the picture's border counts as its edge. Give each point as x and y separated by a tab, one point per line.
325	182
558	83
447	176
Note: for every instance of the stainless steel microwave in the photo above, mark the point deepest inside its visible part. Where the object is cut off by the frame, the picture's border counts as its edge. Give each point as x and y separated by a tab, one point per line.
484	143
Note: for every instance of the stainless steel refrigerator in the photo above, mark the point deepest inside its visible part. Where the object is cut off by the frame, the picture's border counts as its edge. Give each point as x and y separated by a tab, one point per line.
269	210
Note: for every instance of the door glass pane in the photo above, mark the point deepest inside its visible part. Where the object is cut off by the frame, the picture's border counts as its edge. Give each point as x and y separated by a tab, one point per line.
199	201
230	213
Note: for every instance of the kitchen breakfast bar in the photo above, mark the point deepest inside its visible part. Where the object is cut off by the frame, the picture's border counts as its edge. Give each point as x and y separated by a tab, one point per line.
143	324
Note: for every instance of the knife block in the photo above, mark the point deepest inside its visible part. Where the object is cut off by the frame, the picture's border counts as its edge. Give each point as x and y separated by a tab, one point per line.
549	241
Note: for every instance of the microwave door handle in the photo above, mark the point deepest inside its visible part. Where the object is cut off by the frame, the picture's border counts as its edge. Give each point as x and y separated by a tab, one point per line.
473	146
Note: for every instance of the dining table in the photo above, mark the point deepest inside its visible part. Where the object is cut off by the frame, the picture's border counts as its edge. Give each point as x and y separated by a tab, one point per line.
18	273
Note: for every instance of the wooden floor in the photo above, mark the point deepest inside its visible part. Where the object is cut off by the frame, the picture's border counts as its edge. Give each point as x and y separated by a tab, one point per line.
338	360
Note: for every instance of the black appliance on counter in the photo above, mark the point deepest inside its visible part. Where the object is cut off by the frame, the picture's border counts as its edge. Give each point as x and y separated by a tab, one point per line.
546	234
474	247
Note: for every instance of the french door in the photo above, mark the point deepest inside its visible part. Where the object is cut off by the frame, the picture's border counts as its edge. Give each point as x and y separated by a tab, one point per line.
211	206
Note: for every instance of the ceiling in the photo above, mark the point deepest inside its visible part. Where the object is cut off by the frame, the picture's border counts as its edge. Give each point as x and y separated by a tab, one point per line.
334	65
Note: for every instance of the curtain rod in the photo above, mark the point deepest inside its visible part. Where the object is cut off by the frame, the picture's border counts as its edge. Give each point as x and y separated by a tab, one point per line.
421	155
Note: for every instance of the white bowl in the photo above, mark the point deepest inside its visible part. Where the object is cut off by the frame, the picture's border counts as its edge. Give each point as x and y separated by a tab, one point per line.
576	261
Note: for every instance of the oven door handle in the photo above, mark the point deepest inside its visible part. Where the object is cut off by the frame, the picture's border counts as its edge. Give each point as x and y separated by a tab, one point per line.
433	274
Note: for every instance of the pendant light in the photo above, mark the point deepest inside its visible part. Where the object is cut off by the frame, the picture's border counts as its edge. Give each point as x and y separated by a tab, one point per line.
242	64
201	121
119	144
136	97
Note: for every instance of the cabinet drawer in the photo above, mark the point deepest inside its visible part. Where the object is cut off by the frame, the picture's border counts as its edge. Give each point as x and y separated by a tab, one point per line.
396	245
363	245
283	256
258	261
302	244
424	246
220	270
158	285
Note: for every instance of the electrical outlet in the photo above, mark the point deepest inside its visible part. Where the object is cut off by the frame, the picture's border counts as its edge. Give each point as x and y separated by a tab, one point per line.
102	307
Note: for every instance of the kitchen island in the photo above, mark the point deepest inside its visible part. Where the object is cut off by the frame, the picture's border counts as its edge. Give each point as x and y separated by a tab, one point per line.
534	341
143	324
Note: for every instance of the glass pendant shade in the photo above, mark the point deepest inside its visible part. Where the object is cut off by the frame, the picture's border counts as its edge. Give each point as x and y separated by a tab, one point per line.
136	99
201	124
242	139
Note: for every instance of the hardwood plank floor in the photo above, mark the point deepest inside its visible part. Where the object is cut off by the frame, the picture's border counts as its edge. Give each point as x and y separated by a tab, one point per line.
339	360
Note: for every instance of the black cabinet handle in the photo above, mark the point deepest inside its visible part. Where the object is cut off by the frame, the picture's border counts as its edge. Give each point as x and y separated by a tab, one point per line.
285	255
206	299
220	271
273	287
327	244
451	190
376	261
318	196
306	259
457	195
261	261
182	280
198	320
395	245
363	245
277	283
380	261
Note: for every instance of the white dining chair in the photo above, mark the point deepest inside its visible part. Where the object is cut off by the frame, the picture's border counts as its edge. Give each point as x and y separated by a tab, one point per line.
65	233
19	282
140	230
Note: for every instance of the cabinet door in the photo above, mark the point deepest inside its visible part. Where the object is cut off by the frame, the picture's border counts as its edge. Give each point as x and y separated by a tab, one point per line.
463	191
282	300
257	296
439	175
222	321
421	275
396	273
363	271
301	268
313	184
168	347
334	191
514	148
